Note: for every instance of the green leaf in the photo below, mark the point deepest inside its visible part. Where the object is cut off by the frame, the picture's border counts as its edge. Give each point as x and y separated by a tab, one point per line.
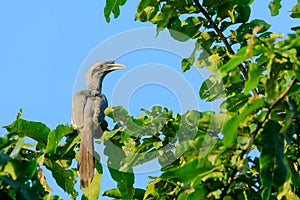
147	10
234	103
125	181
55	137
93	190
3	157
107	135
167	13
65	178
243	13
186	65
151	188
238	58
294	90
274	7
19	114
115	193
273	169
255	72
69	144
14	168
20	190
186	173
139	193
192	117
112	6
296	11
199	193
211	89
185	29
116	113
259	22
230	128
35	130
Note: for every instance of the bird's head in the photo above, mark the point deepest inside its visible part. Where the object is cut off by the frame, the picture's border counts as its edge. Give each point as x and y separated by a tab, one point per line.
96	73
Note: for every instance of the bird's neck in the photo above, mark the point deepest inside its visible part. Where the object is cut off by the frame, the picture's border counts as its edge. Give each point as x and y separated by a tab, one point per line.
96	85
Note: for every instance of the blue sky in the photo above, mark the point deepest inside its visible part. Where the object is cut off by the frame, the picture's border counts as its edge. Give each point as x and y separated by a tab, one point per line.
44	43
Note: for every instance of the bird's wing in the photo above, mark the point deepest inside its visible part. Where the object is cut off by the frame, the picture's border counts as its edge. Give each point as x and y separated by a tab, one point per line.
88	108
78	105
100	103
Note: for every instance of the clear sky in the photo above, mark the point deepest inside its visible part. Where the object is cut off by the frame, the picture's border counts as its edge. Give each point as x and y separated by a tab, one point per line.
44	43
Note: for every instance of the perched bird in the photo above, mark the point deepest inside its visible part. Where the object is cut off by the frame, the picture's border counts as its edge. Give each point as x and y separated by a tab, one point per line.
87	113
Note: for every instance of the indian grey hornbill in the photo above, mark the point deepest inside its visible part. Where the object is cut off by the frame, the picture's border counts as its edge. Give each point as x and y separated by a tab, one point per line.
87	113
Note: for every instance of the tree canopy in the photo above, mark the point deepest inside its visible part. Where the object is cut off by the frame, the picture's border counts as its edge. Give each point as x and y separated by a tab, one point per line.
203	155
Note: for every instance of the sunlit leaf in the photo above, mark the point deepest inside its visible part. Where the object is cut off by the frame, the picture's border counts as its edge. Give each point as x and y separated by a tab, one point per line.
274	7
117	113
109	134
113	6
186	65
296	11
231	126
55	136
238	58
234	103
93	190
14	168
35	130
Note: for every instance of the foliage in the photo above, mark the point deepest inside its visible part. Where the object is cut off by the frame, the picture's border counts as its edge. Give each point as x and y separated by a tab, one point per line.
23	164
202	155
260	84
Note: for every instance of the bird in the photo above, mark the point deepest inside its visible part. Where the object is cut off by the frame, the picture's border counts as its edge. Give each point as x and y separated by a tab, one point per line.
87	114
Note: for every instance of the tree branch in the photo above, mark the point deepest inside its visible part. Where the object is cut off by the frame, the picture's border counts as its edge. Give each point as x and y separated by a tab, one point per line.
259	126
220	33
235	170
281	96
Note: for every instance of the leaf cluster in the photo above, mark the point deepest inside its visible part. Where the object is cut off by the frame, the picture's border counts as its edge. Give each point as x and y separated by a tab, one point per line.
27	151
256	72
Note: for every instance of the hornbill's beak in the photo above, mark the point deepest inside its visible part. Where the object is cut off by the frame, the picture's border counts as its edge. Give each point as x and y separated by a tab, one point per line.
114	66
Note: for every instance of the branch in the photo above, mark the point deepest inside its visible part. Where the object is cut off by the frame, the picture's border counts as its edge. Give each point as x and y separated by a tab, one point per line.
281	96
220	33
235	170
259	126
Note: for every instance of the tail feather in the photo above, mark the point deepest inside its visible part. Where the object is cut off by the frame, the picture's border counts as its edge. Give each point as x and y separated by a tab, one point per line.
86	162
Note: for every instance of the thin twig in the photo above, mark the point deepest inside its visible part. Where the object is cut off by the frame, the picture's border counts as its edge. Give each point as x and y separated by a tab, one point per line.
235	170
220	33
281	96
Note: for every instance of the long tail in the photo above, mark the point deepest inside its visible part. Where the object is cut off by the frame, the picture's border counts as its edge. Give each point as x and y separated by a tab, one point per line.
86	162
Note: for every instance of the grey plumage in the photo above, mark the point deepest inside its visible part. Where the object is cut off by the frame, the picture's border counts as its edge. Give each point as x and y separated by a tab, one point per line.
87	113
